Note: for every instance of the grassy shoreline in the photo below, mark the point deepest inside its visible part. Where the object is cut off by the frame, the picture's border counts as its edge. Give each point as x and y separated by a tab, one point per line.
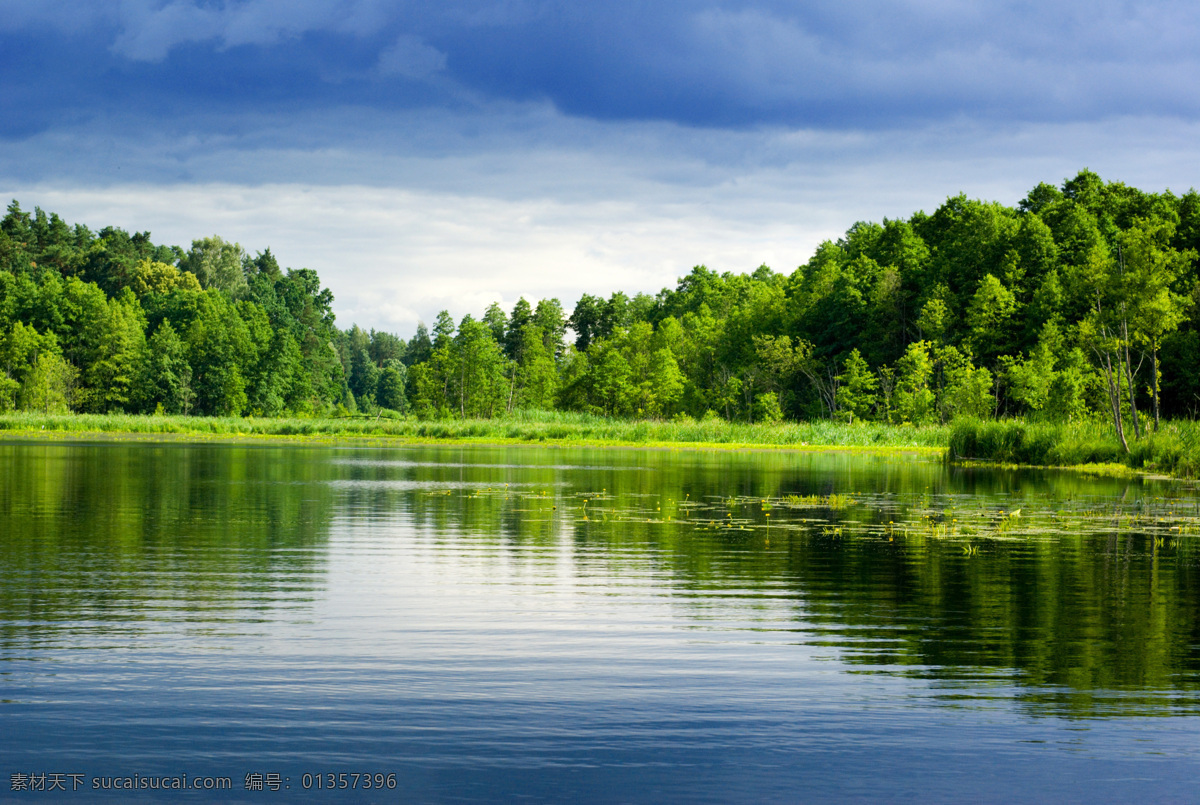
1083	446
530	429
1173	450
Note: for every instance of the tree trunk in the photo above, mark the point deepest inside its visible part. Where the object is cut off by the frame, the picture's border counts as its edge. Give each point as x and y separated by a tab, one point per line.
1114	395
1154	369
826	389
1130	382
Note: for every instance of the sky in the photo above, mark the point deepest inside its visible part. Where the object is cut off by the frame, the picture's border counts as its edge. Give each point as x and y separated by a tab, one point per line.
429	156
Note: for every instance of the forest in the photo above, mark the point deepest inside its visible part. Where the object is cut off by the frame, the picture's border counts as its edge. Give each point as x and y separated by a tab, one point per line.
1079	303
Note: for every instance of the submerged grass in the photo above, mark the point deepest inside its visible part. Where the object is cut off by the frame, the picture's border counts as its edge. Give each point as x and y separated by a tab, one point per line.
521	427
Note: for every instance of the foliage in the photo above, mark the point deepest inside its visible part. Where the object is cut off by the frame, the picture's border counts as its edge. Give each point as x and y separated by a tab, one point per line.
110	322
1174	449
1075	307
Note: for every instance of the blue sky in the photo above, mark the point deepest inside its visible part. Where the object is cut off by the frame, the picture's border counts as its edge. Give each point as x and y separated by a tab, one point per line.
423	156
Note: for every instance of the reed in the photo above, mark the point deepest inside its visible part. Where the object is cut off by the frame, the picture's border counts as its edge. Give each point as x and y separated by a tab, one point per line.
1174	449
521	426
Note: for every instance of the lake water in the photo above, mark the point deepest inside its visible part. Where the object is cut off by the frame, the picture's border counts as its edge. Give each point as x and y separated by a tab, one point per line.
487	624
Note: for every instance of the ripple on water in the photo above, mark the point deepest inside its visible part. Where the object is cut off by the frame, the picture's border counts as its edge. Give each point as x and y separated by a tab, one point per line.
640	625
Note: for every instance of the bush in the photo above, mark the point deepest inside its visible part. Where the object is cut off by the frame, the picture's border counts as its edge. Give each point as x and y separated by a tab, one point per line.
1173	450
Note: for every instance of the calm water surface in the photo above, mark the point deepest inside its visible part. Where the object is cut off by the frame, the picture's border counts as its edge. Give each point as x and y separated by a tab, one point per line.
596	625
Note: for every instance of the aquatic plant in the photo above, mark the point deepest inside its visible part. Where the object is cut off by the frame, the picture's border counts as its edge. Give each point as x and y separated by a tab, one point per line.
1174	449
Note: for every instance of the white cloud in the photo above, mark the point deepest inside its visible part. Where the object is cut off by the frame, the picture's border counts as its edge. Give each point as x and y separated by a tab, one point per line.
417	215
392	257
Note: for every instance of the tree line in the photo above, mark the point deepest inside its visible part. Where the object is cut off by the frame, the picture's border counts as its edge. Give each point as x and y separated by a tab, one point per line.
1080	301
110	322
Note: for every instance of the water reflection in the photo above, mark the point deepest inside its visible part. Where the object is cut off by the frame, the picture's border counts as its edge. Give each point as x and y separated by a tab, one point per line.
1081	590
767	615
103	544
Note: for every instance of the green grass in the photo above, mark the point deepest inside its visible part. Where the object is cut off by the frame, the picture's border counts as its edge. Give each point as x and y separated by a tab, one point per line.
1173	450
521	427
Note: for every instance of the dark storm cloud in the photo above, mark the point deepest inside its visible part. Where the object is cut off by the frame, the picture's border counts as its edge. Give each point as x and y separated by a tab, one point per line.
869	65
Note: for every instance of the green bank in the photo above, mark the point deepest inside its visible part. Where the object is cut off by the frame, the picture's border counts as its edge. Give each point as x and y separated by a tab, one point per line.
524	427
1172	450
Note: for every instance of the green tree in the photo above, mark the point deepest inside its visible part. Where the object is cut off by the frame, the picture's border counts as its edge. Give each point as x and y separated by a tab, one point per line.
307	310
434	382
966	390
389	392
913	399
767	410
278	383
1151	268
153	277
1069	390
585	321
217	264
613	391
534	382
934	321
1104	330
479	381
1031	378
49	386
21	349
219	347
856	388
385	347
522	317
990	317
363	376
109	348
427	402
419	348
550	319
496	320
167	377
667	382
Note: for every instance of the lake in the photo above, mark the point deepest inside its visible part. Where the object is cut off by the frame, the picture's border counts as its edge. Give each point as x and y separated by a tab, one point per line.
550	624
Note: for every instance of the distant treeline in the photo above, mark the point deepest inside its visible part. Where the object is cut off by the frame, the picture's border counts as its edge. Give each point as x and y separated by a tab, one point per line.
1078	303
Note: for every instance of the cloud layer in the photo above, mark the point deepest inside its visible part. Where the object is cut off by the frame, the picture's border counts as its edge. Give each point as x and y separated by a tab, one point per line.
444	155
734	64
401	232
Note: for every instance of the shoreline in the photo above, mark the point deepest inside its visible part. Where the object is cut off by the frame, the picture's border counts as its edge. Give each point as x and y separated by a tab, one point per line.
531	428
12	435
1012	443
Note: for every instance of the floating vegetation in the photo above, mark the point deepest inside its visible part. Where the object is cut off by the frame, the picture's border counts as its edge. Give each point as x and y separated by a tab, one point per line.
966	521
831	501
